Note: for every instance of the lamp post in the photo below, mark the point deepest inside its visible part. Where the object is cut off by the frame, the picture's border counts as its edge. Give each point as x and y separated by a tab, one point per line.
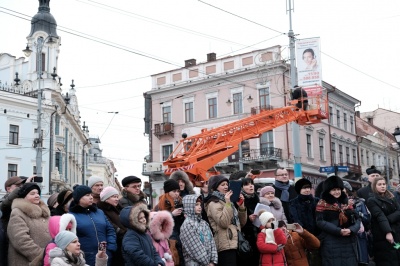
38	142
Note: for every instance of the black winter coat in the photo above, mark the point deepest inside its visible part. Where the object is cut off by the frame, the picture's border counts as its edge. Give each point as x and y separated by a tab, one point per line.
250	232
385	214
365	192
302	211
285	205
337	250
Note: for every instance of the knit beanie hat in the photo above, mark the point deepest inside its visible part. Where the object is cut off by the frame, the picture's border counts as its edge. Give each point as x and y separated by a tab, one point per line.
64	238
266	189
93	180
347	185
26	188
170	185
108	192
52	200
265	217
130	179
215	181
79	192
301	183
64	196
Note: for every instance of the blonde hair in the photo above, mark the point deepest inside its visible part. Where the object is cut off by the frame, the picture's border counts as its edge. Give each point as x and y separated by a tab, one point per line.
387	193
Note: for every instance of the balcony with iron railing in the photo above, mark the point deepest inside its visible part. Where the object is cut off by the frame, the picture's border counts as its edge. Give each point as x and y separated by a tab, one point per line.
163	129
353	168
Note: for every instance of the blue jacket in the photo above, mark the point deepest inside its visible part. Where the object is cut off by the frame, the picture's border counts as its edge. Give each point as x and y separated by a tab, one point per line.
137	246
93	228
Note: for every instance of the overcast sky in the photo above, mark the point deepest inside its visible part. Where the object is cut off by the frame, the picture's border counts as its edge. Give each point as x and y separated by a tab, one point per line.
359	51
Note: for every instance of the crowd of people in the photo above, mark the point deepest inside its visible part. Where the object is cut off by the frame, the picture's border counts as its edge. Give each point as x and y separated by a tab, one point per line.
278	225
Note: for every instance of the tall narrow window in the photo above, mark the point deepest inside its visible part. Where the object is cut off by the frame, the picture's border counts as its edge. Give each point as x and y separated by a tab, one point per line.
333	152
43	63
264	98
166	151
345	121
188	112
321	149
331	115
14	134
347	155
340	154
237	103
267	143
367	153
58	161
373	159
362	156
338	118
12	170
352	124
212	107
166	114
57	125
354	156
309	148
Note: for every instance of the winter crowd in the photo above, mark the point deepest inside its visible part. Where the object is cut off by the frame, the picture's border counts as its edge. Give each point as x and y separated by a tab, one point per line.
278	225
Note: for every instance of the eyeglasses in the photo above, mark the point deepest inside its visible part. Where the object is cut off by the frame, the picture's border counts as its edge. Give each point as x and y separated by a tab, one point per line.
135	186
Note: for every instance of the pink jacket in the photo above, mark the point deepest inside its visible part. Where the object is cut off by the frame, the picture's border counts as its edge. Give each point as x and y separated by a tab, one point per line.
56	224
161	225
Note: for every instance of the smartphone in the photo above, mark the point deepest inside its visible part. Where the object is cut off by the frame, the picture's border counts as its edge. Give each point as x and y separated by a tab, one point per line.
37	179
236	187
103	246
290	226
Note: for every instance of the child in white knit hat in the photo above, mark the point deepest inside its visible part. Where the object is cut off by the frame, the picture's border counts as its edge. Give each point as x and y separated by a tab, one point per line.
270	241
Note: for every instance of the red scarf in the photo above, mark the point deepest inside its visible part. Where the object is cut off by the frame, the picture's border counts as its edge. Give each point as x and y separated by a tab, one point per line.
324	206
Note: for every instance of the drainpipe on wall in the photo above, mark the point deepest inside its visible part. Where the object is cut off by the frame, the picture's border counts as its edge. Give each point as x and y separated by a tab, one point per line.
84	163
51	149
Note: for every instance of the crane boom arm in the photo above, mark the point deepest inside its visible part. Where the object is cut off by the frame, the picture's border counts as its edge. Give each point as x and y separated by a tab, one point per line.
197	154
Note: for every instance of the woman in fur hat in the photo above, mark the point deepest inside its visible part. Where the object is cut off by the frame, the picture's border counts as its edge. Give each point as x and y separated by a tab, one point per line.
185	185
137	246
160	230
27	230
385	225
338	223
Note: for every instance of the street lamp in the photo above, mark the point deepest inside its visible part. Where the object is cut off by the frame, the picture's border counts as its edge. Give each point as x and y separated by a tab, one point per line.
396	134
38	142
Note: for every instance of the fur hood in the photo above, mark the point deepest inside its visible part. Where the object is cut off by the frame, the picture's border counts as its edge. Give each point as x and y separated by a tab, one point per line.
129	217
161	225
180	175
32	210
60	223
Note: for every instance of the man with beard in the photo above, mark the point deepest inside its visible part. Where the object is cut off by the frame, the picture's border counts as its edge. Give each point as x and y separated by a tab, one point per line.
131	194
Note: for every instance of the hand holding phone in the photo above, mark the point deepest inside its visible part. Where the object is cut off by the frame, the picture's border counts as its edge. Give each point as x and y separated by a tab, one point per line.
103	246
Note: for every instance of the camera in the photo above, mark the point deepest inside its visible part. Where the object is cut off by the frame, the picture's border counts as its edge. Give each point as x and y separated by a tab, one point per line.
37	179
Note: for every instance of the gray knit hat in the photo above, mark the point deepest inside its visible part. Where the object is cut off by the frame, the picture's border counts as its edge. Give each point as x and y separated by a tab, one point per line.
215	180
93	180
64	238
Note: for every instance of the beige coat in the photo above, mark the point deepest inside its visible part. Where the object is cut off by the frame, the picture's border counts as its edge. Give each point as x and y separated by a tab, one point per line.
220	217
28	232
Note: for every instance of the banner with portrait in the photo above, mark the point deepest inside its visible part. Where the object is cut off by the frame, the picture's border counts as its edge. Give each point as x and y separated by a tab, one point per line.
308	61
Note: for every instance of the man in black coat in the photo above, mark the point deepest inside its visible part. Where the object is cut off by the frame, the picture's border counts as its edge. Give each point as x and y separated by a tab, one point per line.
284	191
300	94
366	192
